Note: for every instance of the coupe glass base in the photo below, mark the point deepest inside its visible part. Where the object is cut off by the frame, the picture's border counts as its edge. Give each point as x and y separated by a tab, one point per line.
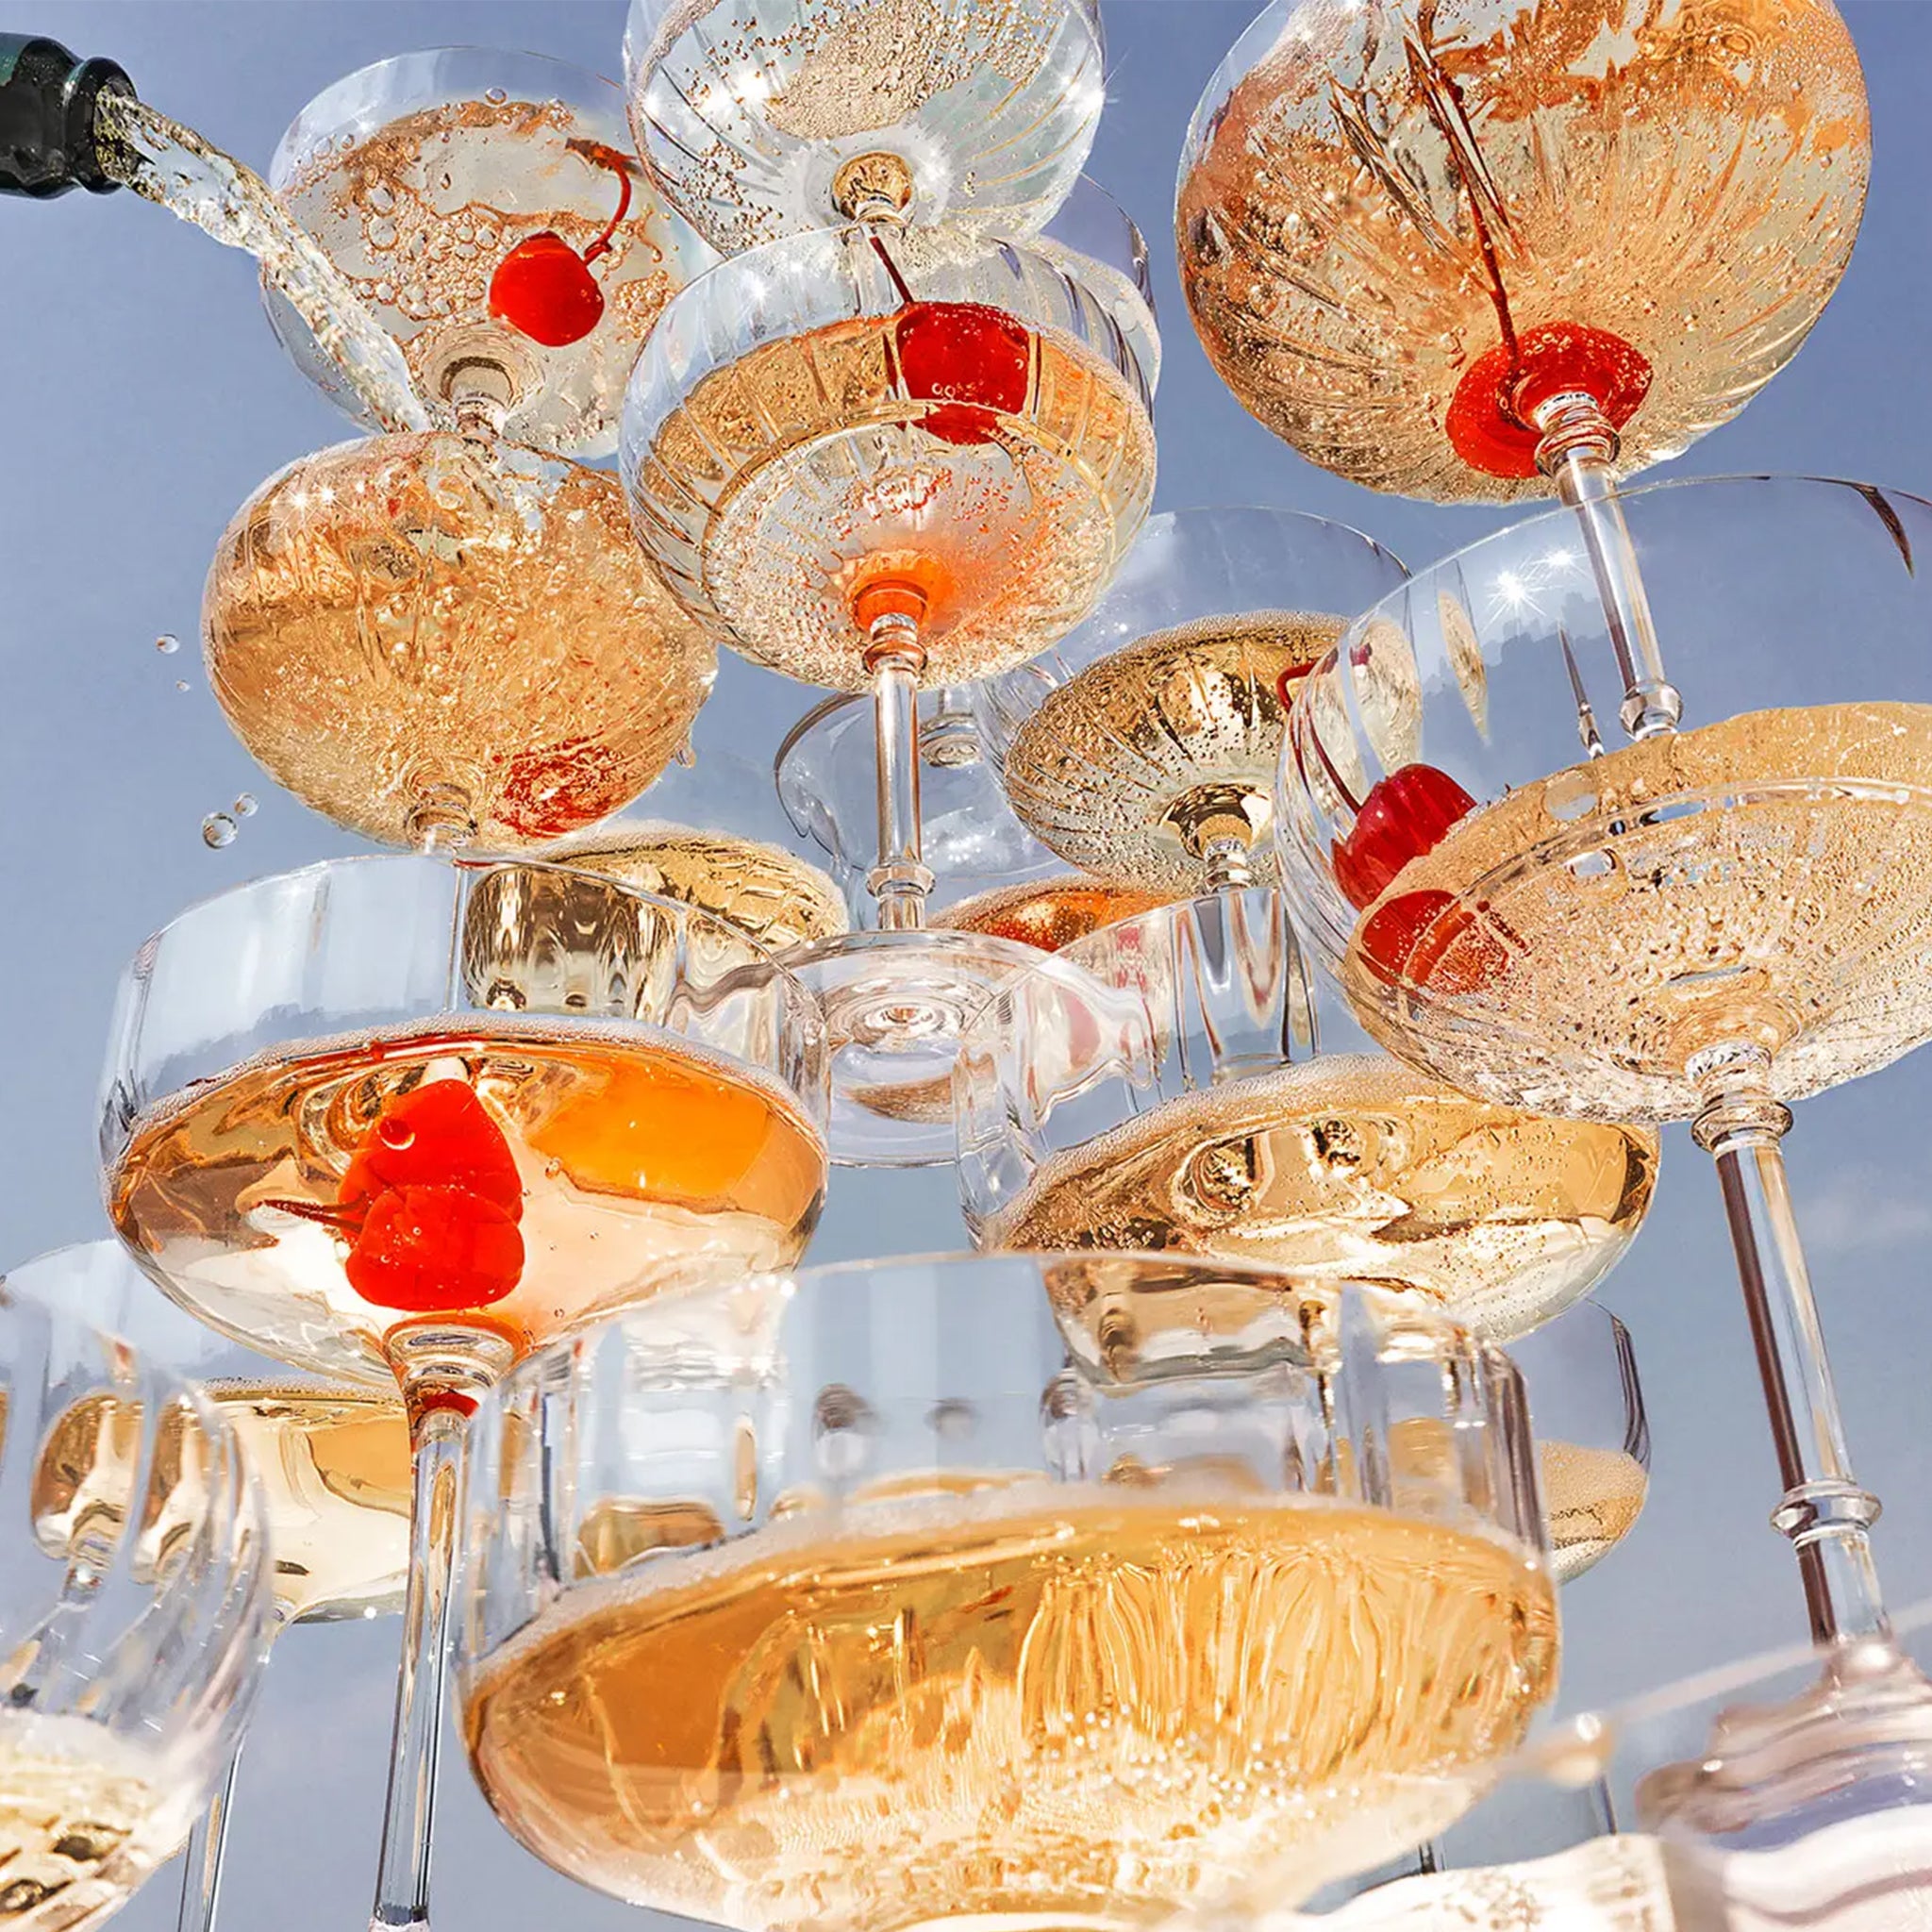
896	1005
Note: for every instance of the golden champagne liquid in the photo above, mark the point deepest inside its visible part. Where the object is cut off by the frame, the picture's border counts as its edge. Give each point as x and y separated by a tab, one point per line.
639	1161
780	900
84	1819
1387	171
423	635
801	479
334	1466
1128	768
1047	913
1043	1701
1591	1501
419	212
1766	881
1352	1167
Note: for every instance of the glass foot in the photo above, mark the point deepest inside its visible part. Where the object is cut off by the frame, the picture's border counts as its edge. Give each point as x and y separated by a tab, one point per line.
896	1005
1858	1741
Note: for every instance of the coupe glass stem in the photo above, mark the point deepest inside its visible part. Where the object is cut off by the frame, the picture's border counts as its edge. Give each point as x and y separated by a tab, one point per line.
401	1884
899	881
1826	1511
1578	453
201	1865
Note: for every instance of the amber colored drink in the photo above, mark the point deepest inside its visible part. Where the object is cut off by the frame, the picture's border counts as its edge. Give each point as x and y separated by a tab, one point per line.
1591	1501
577	1173
1042	1701
1352	1166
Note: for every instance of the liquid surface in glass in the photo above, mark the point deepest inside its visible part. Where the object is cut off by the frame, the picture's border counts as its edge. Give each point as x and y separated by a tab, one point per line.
1765	880
1058	1702
1352	1166
817	490
323	1201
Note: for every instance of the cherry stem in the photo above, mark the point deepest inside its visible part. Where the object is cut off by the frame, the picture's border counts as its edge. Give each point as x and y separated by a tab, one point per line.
1335	777
606	158
1485	241
906	294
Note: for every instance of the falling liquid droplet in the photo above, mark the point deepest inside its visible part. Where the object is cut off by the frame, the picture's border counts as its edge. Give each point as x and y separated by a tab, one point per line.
244	807
181	684
167	644
216	830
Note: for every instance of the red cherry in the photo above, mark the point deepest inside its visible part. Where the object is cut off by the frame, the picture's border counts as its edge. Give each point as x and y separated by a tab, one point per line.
1406	814
1491	421
973	361
1432	940
557	788
437	1135
544	289
435	1251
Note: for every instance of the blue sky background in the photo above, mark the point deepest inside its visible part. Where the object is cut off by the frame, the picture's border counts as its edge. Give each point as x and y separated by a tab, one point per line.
144	398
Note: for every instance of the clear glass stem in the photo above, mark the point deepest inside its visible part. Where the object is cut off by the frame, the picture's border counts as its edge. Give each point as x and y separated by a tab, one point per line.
201	1864
1578	453
899	881
1825	1512
401	1884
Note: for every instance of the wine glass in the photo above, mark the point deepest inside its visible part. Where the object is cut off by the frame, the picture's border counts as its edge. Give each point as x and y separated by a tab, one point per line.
1702	924
489	211
436	639
332	1459
1141	748
871	490
1427	250
134	1611
399	1121
779	116
1177	1082
776	897
1050	1589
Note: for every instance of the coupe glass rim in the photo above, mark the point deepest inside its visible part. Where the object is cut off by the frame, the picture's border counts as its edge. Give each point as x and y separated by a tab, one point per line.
1190	515
332	110
197	909
1520	528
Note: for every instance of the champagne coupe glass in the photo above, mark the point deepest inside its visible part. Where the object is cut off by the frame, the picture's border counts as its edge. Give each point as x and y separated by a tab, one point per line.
400	1119
877	489
134	1611
1141	748
1009	1590
489	211
1703	924
1175	1082
770	118
1426	252
332	1459
438	639
1410	237
769	894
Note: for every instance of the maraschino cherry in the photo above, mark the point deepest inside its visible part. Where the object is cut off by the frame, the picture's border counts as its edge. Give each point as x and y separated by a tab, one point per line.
974	360
1491	421
1413	936
431	1205
544	287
